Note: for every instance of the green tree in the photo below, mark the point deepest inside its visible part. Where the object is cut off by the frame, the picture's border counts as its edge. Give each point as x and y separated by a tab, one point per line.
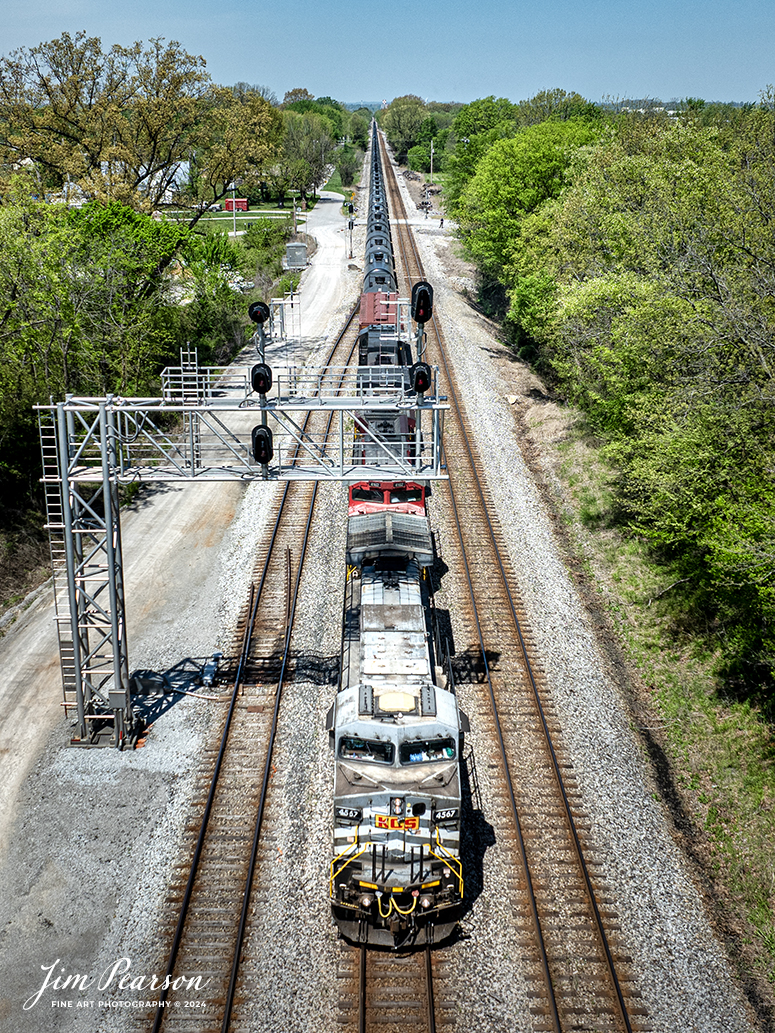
296	95
401	121
242	141
358	130
555	104
475	128
482	115
124	125
349	164
513	179
647	285
307	149
118	124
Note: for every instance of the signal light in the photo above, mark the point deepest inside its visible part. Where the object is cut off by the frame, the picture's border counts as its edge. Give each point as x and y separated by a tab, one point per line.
350	209
259	312
261	378
422	301
262	445
420	377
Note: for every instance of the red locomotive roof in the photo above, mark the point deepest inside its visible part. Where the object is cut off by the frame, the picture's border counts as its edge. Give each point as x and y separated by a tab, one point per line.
378	308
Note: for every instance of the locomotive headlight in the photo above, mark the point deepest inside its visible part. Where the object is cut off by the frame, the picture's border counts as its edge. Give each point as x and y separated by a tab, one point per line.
366	901
426	902
397	805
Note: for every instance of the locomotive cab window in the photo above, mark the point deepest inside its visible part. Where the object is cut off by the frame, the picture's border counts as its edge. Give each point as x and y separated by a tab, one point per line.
406	495
366	495
351	748
422	751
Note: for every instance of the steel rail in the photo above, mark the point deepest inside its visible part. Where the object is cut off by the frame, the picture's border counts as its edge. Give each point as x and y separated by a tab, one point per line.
427	972
290	617
232	989
599	928
538	931
254	600
429	992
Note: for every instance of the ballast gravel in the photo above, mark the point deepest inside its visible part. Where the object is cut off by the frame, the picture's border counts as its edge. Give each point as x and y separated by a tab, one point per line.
680	967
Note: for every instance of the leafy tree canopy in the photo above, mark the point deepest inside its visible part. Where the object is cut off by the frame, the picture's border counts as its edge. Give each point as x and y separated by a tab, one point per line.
401	121
513	179
123	124
296	95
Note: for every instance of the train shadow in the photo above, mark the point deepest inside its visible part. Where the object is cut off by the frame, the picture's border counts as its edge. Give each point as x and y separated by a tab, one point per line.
470	667
477	834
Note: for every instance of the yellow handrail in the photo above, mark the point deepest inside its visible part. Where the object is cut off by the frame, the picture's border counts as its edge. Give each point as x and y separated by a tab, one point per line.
449	859
334	875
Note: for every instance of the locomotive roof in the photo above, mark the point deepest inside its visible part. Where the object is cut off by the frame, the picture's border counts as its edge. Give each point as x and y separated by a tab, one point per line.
396	697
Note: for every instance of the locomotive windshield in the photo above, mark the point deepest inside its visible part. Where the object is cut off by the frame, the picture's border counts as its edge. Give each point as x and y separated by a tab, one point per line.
420	751
406	495
367	495
371	750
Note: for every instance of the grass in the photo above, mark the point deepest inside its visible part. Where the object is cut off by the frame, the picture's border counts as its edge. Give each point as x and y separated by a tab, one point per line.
720	749
335	184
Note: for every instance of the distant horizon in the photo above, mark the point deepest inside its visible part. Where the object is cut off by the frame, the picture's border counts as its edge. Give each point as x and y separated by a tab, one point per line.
505	48
352	105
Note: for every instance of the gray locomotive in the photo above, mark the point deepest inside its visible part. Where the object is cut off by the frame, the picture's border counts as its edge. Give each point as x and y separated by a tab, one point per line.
395	878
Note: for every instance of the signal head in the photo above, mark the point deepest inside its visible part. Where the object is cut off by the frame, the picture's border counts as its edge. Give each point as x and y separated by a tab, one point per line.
420	377
422	301
259	312
261	378
262	445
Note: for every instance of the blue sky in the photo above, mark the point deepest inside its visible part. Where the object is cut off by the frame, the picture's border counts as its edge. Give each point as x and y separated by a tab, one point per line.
451	50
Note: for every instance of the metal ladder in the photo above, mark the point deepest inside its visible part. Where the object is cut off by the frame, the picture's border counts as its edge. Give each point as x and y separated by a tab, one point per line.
52	487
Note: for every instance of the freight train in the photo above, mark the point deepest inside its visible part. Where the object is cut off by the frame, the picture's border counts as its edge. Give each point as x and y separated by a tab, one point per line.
395	877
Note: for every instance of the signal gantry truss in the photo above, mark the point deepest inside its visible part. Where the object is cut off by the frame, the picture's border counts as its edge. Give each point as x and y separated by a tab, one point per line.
200	429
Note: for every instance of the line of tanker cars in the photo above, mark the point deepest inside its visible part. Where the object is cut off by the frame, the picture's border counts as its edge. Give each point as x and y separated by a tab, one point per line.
395	877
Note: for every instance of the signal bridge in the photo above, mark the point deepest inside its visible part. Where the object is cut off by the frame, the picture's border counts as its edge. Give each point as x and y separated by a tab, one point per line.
205	426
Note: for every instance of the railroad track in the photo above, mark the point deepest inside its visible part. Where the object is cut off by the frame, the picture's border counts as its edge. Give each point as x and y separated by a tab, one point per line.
382	992
565	924
214	899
